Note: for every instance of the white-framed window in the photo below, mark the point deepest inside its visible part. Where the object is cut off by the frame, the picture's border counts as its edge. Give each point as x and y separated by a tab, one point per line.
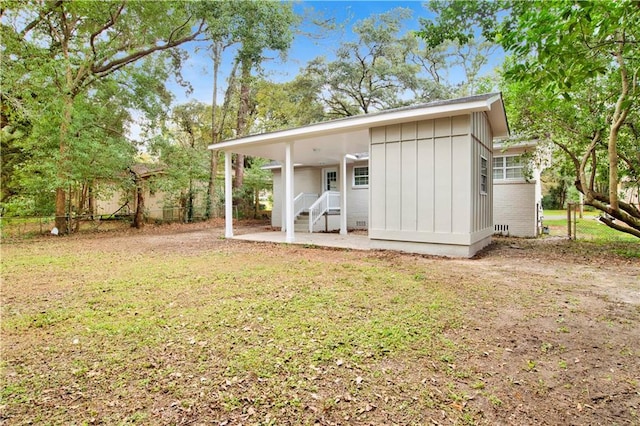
361	176
484	178
507	167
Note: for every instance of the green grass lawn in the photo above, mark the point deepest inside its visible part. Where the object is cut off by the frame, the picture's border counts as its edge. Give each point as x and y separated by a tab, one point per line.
127	330
259	327
589	228
563	213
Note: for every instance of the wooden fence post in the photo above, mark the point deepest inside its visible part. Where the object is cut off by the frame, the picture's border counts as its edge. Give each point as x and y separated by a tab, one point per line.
576	207
569	208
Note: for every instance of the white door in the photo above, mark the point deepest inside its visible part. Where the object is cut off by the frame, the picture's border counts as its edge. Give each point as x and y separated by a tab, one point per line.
330	179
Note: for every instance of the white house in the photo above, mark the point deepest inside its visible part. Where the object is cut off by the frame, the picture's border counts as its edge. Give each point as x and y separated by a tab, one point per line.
418	179
517	191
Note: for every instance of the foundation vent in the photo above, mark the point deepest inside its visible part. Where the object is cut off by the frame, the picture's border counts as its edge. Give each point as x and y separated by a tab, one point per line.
501	229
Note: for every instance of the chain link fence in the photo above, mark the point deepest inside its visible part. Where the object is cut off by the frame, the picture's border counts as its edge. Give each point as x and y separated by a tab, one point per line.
28	227
21	227
586	225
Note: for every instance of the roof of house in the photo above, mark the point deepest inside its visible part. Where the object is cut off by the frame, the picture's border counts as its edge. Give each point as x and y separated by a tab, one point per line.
144	170
326	142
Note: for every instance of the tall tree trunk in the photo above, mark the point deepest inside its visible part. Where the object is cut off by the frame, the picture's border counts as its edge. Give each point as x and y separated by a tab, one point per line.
190	202
217	130
619	116
243	115
81	206
63	163
239	180
92	201
211	189
138	218
256	212
213	164
65	125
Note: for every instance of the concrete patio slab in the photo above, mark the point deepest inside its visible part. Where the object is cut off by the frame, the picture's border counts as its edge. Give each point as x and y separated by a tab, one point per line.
361	242
349	241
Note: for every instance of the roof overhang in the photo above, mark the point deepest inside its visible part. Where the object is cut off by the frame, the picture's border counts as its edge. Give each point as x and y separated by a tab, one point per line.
327	142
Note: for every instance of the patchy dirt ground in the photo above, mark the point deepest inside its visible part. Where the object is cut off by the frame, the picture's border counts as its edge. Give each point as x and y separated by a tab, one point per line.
550	335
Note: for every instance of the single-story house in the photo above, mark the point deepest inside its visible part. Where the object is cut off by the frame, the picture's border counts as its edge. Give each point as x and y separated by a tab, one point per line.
517	190
418	178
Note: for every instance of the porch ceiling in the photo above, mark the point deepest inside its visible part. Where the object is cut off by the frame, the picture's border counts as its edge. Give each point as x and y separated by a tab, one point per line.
313	150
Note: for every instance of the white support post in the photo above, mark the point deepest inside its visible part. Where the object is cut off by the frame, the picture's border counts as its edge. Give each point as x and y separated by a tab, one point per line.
343	195
283	208
288	193
228	197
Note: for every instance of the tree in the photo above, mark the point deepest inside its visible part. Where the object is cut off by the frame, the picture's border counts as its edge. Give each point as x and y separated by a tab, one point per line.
574	72
371	73
286	105
253	28
257	180
182	150
264	26
68	48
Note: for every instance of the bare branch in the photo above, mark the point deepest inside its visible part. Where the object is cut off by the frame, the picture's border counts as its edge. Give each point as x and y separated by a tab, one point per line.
115	65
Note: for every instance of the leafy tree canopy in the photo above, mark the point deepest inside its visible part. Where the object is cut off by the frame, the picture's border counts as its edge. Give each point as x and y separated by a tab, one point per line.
67	69
573	79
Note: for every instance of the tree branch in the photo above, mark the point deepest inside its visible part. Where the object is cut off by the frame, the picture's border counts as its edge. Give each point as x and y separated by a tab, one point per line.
112	20
31	25
611	224
115	65
619	116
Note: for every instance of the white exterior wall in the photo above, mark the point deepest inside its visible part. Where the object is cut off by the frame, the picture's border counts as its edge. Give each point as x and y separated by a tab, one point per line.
515	206
357	199
517	202
305	179
309	180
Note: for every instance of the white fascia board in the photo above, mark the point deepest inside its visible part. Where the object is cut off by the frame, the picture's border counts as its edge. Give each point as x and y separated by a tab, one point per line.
504	144
360	122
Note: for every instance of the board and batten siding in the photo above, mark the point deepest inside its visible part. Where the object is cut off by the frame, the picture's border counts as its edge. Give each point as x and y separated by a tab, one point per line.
481	203
420	181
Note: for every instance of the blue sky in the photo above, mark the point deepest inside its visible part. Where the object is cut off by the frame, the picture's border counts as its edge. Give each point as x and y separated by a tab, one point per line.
198	69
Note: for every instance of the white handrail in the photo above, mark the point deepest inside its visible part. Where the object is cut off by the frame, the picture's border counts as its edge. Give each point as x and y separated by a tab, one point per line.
302	202
329	200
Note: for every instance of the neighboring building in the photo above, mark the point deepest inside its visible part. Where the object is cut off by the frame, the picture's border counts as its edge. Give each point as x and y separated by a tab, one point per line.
426	187
124	203
517	191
